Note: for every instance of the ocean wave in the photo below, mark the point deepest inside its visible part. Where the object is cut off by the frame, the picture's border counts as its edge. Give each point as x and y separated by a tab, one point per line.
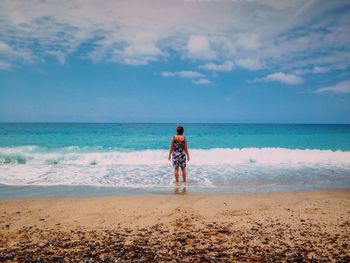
211	168
74	155
12	158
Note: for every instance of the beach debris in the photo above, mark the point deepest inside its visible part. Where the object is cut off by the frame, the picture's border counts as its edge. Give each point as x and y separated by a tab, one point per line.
42	244
164	243
265	241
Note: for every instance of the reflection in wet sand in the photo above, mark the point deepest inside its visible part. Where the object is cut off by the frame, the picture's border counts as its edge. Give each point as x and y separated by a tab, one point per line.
180	189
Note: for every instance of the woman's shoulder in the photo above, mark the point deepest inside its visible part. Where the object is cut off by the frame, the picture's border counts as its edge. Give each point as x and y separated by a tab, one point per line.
174	138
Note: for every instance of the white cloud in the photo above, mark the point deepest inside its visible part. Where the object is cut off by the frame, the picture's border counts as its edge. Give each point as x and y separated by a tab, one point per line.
248	41
313	70
168	74
226	66
140	32
182	74
289	79
140	51
202	82
198	47
249	63
189	74
342	87
19	53
5	48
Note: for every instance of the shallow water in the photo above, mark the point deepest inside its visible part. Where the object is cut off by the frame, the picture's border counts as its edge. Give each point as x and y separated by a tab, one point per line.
85	159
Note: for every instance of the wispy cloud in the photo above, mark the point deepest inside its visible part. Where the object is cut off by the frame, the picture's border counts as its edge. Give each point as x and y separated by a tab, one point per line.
198	78
16	53
318	70
202	82
60	56
250	63
4	65
342	87
182	74
284	78
136	33
289	79
168	74
248	41
313	70
226	66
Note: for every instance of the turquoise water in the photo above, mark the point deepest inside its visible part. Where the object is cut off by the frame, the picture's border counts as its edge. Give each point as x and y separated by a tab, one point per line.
74	158
156	136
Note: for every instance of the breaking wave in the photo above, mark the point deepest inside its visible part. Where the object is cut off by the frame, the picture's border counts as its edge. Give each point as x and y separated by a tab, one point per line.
211	168
216	156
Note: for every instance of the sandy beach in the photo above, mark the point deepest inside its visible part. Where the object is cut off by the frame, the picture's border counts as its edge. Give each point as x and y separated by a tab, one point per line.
288	226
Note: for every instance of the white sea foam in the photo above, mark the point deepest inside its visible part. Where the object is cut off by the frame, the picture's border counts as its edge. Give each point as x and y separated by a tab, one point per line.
216	156
32	165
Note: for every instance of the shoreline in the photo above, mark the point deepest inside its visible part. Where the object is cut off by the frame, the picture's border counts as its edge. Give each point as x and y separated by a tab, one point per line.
22	192
275	226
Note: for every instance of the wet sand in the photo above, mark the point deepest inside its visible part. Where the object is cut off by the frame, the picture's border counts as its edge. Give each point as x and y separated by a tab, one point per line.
288	226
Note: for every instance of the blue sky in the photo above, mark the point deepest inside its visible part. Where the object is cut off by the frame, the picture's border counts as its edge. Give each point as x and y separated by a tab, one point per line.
175	61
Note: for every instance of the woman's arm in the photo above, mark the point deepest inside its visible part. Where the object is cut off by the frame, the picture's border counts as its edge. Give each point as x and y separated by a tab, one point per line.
171	148
186	150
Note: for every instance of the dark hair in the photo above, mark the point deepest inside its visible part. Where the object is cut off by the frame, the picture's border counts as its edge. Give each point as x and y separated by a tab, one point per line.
179	130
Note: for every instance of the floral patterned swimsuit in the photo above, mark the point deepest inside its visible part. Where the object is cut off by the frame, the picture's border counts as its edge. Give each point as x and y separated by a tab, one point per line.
178	155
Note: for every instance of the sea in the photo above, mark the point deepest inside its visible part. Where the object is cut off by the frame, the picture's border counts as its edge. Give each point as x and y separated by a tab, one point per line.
88	159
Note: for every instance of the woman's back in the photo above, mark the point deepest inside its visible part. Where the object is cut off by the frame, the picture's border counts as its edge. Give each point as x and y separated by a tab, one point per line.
179	143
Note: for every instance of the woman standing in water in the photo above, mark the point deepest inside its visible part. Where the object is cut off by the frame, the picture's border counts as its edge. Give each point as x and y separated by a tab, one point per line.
178	151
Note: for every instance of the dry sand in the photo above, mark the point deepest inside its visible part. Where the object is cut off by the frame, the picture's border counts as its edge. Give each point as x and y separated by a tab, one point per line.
289	226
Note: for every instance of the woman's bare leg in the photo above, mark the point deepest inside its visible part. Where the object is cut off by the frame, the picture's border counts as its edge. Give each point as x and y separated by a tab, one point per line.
183	171
176	174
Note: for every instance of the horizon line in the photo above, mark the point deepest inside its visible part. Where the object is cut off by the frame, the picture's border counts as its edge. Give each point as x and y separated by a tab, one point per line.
133	122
